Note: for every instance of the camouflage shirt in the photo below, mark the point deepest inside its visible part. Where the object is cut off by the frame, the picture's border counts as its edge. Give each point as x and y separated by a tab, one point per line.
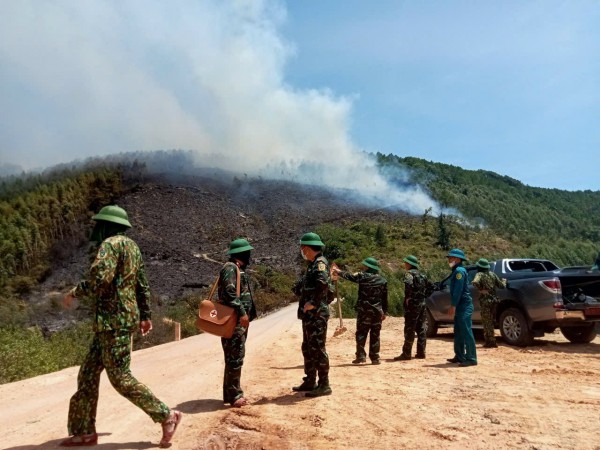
314	287
117	282
487	282
244	304
413	282
372	292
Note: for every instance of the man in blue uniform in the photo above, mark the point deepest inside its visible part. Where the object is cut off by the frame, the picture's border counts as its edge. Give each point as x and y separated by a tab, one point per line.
462	309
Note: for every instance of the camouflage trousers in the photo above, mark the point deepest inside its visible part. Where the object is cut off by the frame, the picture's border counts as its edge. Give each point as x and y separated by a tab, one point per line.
314	336
110	350
368	324
234	350
415	320
488	312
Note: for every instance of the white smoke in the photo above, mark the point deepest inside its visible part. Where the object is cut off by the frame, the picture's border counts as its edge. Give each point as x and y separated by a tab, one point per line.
87	78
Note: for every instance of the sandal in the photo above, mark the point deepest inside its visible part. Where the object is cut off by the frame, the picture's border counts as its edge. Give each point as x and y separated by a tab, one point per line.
169	427
82	440
240	402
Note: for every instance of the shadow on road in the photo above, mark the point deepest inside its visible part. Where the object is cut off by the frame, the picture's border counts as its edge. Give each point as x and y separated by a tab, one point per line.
201	406
283	400
299	366
445	365
554	346
367	364
53	444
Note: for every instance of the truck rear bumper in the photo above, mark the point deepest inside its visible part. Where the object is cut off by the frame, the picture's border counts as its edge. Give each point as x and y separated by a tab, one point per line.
564	316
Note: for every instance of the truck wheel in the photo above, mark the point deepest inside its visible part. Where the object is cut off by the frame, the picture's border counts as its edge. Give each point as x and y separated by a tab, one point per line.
580	335
514	328
432	326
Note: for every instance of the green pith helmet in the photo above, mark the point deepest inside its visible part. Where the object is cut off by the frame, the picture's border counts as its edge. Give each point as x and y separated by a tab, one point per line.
114	214
457	253
371	263
483	263
239	246
312	239
412	260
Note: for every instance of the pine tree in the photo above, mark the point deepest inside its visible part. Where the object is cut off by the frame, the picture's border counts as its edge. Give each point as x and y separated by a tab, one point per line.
443	234
380	236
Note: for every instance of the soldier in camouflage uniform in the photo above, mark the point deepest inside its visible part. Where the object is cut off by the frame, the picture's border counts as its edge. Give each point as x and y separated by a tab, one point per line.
313	310
371	308
234	348
118	285
487	282
415	313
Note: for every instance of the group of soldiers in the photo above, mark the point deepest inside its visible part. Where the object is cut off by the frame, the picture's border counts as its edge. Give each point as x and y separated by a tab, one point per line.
118	285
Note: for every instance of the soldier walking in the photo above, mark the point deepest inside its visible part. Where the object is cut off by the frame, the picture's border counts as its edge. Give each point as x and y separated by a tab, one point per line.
234	348
487	282
461	308
118	286
416	290
371	308
313	310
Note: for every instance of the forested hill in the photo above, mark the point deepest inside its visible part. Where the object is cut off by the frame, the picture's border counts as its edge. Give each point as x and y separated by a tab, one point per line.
549	223
184	216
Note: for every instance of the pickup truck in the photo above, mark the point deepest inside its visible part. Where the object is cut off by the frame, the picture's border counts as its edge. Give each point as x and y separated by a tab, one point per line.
540	297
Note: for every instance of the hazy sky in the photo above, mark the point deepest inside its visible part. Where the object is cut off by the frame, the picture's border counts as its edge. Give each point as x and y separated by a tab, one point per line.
282	88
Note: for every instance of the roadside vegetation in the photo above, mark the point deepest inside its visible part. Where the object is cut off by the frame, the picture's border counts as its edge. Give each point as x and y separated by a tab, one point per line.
44	217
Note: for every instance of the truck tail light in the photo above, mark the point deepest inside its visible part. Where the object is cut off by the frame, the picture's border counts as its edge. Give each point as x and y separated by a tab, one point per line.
552	285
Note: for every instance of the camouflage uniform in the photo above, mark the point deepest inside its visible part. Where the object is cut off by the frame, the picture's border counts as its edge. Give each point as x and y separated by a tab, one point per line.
234	348
415	318
371	306
313	288
117	282
487	282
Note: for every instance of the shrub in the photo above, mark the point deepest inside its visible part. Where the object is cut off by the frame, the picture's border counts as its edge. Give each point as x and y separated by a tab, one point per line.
25	353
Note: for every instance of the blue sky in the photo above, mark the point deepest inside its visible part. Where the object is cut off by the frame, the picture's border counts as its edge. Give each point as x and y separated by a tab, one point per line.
291	87
507	86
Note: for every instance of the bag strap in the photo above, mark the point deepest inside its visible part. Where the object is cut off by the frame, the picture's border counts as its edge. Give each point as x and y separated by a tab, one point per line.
214	288
237	288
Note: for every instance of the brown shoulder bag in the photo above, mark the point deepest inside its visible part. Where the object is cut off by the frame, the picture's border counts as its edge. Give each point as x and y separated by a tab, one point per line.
216	318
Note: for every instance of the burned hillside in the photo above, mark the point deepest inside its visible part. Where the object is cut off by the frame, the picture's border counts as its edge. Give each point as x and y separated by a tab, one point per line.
183	225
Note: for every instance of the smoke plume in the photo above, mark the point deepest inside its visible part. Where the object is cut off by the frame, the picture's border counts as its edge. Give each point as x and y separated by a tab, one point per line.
93	78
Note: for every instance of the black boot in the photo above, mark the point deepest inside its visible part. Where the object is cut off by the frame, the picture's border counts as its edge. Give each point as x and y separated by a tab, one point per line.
307	385
320	390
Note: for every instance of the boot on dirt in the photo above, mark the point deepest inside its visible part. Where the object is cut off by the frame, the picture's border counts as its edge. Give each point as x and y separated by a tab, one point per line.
320	390
359	361
375	362
490	345
307	385
402	357
420	356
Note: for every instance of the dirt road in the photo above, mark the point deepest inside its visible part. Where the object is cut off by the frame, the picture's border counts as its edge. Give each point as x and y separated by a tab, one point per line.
543	397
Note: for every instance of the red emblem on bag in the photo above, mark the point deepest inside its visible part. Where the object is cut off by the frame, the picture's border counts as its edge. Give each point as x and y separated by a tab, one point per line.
213	313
